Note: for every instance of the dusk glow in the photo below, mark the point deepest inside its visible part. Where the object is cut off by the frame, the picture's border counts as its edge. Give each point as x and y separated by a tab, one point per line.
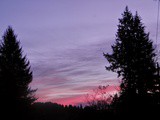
64	41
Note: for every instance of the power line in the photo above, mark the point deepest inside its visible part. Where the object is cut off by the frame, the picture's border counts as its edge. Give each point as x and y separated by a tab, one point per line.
157	22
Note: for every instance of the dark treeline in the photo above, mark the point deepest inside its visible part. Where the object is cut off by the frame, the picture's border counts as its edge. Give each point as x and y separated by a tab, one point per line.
133	58
54	111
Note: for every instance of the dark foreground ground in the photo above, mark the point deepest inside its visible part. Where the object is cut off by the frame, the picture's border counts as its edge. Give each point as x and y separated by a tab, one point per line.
50	111
53	111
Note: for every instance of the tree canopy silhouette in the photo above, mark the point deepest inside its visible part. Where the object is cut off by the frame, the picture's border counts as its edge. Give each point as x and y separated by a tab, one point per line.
15	74
133	58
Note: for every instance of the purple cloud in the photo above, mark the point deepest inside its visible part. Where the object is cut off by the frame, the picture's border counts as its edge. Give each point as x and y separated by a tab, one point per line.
65	41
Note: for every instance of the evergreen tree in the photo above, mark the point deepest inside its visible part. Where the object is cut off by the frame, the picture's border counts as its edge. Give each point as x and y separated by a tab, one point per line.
15	75
133	59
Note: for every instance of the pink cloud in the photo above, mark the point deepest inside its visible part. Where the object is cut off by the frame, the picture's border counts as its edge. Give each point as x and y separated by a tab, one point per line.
65	100
72	100
113	88
65	90
70	97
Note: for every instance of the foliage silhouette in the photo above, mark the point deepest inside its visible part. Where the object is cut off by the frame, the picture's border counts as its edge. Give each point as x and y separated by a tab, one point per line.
133	59
100	98
50	111
15	76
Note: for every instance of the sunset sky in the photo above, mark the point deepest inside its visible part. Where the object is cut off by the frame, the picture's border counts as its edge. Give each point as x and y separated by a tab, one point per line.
64	41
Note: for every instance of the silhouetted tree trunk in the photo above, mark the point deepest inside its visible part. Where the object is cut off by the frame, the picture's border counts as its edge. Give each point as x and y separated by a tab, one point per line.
15	76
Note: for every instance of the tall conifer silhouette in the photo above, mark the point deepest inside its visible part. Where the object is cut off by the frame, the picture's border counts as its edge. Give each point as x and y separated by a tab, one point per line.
133	58
15	75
